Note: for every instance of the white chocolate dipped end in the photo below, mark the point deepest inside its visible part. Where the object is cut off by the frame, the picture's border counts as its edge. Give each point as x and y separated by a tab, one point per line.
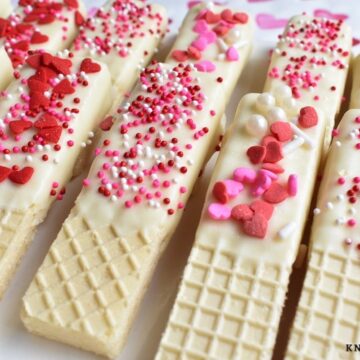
5	8
309	67
327	315
234	285
40	147
355	92
124	35
54	28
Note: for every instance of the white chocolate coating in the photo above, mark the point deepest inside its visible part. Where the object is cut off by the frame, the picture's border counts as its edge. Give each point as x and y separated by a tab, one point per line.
331	289
355	92
233	282
5	8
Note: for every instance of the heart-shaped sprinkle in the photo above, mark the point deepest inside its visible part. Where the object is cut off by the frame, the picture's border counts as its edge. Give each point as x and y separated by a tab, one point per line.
21	45
220	192
244	175
200	43
210	37
232	54
275	168
52	134
256	154
261	184
275	194
219	211
273	152
179	55
221	30
212	18
72	3
281	130
39	38
36	85
256	226
205	66
62	66
4	173
46	121
38	100
79	19
89	67
194	53
227	15
201	27
268	173
107	123
292	185
47	19
241	17
263	208
267	139
34	61
64	87
22	176
269	21
308	117
17	127
241	212
233	188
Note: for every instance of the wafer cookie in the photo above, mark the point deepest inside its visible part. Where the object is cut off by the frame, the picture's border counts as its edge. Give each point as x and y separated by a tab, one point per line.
50	25
355	91
47	116
89	287
310	65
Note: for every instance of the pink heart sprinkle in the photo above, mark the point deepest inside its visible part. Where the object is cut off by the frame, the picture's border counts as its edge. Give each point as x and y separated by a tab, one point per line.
201	27
210	36
233	188
244	175
268	21
200	43
329	15
269	173
261	183
232	54
205	66
292	185
219	211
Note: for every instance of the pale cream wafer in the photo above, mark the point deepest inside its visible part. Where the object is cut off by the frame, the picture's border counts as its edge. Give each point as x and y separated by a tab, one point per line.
233	289
355	91
5	8
327	317
89	287
43	126
309	66
50	25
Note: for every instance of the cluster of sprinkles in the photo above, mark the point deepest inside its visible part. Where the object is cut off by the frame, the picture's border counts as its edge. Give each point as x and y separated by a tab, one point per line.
318	41
22	29
113	30
219	29
147	160
278	139
349	189
39	123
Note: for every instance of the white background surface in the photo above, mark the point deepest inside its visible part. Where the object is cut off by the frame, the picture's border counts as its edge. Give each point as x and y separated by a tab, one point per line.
17	344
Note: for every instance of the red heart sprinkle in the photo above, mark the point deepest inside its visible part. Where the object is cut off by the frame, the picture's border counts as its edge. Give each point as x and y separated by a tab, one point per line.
212	18
21	45
275	194
308	117
273	152
4	173
263	208
268	139
38	100
221	30
52	134
64	87
227	16
21	177
45	122
256	226
61	65
241	18
36	85
241	212
72	3
89	67
19	126
34	61
256	154
79	19
47	19
107	123
47	59
39	38
281	130
275	168
179	55
194	53
220	192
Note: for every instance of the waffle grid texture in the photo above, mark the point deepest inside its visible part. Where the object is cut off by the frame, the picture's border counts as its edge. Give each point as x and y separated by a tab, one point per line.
227	307
328	313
